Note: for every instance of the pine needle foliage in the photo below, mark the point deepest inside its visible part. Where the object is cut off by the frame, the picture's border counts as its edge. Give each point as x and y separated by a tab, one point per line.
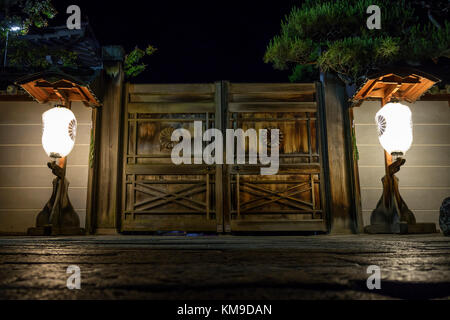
332	36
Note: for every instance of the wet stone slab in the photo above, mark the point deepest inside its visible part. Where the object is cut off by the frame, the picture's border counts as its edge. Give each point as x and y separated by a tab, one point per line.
225	267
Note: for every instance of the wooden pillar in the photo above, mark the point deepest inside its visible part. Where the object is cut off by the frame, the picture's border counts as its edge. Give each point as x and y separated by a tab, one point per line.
108	177
219	96
92	173
342	213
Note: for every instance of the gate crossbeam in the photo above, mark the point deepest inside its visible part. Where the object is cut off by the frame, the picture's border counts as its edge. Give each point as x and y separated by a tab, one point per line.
284	197
172	196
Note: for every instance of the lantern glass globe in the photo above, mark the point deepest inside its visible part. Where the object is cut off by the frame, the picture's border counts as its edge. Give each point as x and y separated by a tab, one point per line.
59	132
395	131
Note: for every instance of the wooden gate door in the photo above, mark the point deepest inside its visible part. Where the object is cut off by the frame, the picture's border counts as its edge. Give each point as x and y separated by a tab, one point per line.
158	195
293	199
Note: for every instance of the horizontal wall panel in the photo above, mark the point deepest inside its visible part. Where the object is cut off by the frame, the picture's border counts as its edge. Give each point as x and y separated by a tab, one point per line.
40	177
416	156
422	134
31	112
37	198
424	112
18	221
22	112
409	177
422	216
418	199
32	134
35	155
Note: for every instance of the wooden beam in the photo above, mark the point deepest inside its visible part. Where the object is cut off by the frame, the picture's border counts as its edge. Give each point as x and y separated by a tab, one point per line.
272	87
274	225
366	92
168	107
168	169
419	90
178	97
63	96
272	97
172	88
273	107
389	92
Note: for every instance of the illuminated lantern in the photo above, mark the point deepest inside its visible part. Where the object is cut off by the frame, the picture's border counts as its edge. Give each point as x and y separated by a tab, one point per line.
395	128
59	132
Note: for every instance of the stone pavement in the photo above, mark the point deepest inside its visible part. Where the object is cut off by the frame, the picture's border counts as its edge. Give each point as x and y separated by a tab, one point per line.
226	267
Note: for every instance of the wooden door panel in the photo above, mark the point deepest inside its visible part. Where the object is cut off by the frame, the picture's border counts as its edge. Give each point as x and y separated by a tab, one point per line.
292	200
276	195
157	194
176	201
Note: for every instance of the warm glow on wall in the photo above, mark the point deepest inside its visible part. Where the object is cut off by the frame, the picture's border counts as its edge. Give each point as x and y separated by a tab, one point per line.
395	128
59	132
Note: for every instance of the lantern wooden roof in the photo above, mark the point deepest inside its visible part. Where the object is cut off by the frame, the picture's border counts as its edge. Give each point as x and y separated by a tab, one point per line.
58	87
402	84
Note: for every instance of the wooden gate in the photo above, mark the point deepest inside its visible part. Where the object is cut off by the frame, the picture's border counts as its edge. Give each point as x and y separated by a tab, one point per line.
292	200
158	195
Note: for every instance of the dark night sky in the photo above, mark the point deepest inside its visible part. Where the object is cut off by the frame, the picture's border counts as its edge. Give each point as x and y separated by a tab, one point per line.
197	41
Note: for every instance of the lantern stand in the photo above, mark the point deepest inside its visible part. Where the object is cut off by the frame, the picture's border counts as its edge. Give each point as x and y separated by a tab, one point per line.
391	214
58	216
